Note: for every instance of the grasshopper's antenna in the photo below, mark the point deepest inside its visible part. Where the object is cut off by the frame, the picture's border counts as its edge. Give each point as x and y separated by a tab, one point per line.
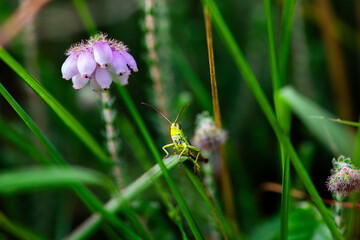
156	111
181	112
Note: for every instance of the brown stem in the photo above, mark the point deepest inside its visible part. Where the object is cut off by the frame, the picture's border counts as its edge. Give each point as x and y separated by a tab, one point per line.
224	177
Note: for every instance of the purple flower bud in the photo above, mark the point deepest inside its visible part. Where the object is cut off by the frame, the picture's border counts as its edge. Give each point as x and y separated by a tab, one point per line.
94	84
86	64
103	54
79	82
69	68
129	60
118	64
103	77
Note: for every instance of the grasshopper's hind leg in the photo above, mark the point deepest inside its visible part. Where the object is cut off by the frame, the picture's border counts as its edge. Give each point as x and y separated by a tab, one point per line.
196	165
166	146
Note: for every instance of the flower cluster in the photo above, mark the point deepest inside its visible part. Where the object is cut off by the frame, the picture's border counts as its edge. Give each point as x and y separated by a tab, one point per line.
208	137
92	60
345	178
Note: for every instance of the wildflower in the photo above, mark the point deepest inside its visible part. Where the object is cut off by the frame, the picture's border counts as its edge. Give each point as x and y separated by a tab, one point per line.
208	137
345	177
95	59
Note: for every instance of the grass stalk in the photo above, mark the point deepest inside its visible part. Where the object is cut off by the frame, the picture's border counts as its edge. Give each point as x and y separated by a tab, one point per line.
283	119
285	37
226	185
265	106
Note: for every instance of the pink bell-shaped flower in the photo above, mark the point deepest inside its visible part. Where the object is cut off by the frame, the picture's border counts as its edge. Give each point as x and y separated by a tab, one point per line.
69	68
129	60
86	64
94	59
103	77
102	54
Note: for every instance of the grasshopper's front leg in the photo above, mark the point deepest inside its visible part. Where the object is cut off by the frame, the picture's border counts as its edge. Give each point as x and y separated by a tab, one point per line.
182	152
196	165
166	146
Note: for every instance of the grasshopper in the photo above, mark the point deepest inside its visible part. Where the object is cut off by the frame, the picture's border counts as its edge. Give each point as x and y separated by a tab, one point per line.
182	145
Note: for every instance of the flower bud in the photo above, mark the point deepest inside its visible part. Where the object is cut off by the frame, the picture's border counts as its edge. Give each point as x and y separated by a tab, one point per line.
130	61
69	68
102	54
86	64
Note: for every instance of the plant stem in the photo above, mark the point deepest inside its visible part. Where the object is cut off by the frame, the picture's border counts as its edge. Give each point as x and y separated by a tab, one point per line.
224	177
111	135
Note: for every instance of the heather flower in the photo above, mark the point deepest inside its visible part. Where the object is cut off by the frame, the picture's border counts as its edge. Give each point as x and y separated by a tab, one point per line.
208	137
345	177
95	60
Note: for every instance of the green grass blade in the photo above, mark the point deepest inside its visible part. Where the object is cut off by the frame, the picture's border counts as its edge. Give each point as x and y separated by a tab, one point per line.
180	200
335	137
33	178
22	142
282	116
127	194
285	40
265	106
18	230
63	114
34	129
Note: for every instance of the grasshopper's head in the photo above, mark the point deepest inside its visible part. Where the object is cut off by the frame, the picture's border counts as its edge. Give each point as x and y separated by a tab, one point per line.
175	129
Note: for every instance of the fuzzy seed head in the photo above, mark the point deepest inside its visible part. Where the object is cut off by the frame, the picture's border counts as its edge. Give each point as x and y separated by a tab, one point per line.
345	177
208	137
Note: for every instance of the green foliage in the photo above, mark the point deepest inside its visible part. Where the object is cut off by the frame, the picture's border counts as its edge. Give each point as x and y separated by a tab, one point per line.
51	136
35	178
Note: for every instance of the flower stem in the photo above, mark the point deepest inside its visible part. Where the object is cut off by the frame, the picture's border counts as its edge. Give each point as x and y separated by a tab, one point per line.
338	209
111	136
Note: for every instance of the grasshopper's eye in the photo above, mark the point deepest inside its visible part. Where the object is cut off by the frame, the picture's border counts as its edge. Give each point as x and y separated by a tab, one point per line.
179	126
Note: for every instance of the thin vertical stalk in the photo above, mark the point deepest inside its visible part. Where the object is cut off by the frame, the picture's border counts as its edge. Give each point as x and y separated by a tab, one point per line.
283	119
111	135
338	210
285	37
150	42
265	106
224	177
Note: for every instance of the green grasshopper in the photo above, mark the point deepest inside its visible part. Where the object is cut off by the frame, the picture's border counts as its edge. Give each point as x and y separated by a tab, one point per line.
182	145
